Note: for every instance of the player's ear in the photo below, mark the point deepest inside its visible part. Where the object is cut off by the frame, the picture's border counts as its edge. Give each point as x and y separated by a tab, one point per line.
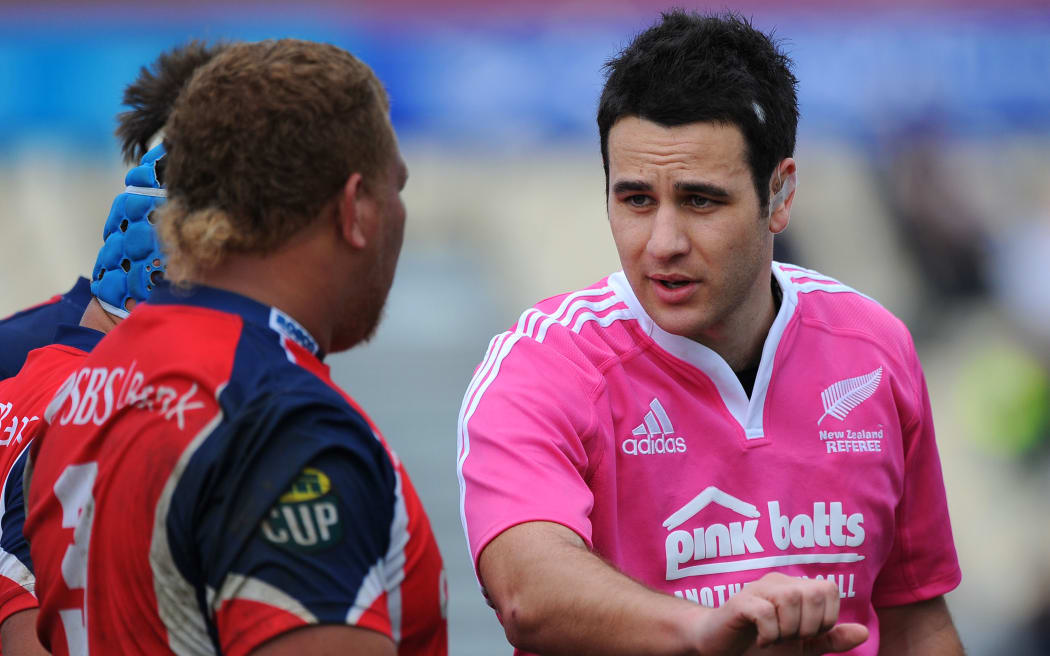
782	194
349	211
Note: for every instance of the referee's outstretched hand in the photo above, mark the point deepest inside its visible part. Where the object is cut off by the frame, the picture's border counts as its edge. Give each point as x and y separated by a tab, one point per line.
780	614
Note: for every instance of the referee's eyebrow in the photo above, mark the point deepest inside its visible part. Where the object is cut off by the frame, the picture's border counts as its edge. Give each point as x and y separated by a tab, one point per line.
703	188
631	185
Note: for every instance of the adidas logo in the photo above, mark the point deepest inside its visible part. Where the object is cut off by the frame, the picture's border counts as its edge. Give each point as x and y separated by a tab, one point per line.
654	435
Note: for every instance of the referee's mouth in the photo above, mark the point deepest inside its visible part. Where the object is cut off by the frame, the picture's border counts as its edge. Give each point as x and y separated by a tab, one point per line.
673	288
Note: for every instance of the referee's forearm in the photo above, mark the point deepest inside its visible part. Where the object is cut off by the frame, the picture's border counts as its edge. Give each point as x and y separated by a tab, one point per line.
556	597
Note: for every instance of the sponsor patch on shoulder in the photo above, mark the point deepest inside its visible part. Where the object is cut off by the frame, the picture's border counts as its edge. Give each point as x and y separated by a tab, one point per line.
306	517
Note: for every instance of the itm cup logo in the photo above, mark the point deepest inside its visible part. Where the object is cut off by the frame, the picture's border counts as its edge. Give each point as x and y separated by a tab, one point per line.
306	517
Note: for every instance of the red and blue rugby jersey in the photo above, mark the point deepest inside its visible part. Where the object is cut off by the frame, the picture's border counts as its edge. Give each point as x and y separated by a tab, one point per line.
34	327
23	399
204	487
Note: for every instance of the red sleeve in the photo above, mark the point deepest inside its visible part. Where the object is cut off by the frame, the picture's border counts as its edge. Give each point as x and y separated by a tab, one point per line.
324	554
14	598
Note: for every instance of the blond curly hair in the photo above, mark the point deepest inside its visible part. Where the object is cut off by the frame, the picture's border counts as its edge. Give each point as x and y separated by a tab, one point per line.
259	142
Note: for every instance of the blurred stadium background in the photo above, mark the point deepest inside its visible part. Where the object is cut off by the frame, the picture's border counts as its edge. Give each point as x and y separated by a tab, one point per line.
924	159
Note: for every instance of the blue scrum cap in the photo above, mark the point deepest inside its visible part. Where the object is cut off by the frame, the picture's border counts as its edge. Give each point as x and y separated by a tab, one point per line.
130	261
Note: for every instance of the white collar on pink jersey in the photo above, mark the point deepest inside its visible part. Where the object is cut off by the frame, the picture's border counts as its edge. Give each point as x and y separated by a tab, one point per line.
747	412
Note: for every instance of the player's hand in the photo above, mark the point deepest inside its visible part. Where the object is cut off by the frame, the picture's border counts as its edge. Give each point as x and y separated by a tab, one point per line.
779	614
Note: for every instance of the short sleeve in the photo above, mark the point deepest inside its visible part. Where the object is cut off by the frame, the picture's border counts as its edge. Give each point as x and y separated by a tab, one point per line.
17	583
523	436
922	563
298	531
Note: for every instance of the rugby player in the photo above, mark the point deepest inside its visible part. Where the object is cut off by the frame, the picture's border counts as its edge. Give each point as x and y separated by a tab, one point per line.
707	451
204	487
35	326
24	398
127	266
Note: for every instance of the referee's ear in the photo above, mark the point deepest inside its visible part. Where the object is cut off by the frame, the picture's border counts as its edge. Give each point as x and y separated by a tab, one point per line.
781	195
349	209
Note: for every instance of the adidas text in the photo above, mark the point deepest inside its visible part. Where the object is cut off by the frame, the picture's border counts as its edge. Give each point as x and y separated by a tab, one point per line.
650	445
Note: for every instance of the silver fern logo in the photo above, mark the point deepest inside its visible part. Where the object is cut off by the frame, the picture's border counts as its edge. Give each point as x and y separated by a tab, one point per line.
840	398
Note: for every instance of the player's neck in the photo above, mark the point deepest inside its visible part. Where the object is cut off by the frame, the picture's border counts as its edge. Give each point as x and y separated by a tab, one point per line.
96	318
295	279
740	339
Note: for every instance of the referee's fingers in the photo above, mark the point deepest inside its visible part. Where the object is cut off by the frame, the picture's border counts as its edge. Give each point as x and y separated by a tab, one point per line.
813	617
762	614
831	609
839	639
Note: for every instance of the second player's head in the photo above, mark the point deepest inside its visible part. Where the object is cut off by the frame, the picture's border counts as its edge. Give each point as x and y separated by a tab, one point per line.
690	68
131	261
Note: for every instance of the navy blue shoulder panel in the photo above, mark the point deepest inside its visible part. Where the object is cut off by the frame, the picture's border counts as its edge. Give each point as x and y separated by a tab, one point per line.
78	337
280	420
30	329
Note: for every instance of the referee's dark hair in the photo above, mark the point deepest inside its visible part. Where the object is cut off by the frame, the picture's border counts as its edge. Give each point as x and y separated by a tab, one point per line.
692	68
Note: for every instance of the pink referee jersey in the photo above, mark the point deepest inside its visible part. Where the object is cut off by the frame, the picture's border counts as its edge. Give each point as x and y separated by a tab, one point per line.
644	443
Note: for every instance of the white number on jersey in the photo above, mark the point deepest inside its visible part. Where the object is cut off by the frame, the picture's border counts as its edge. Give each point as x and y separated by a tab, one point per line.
73	489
